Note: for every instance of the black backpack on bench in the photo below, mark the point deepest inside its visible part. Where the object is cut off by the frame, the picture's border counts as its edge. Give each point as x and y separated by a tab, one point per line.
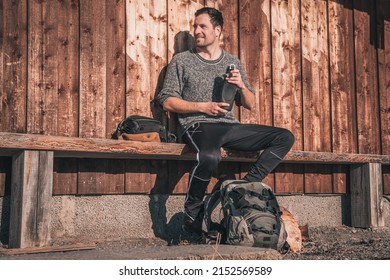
139	124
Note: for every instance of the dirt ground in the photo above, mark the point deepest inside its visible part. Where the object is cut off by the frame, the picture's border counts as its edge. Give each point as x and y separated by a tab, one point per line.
319	243
344	243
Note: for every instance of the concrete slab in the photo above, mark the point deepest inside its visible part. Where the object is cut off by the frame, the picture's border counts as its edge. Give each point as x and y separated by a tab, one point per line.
119	251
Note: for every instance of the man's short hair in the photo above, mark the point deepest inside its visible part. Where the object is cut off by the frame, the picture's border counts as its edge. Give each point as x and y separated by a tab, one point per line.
215	15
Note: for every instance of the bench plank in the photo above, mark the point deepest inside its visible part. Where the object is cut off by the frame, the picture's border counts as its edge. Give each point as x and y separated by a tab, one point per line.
76	147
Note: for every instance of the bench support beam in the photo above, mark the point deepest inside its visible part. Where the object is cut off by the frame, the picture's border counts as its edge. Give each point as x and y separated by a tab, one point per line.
31	193
366	195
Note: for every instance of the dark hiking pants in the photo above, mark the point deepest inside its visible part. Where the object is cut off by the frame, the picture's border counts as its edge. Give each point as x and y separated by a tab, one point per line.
207	139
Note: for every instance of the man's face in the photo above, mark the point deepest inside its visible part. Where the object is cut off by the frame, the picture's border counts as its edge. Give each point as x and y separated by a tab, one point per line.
204	32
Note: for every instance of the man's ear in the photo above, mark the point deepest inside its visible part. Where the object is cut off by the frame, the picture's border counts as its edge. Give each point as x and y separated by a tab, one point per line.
218	30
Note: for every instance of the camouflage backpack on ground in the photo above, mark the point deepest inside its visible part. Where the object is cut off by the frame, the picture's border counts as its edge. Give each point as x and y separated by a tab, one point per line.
251	216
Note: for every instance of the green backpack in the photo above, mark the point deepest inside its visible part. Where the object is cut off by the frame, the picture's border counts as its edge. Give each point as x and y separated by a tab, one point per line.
251	216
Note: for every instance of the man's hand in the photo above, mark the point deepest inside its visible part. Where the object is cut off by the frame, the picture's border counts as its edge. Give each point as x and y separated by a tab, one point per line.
214	108
248	100
235	78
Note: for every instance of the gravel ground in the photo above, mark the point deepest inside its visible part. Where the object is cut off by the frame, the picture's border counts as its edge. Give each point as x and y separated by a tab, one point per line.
320	243
344	243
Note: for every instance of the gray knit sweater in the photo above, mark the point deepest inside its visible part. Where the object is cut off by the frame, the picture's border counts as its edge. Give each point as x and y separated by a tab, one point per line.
193	78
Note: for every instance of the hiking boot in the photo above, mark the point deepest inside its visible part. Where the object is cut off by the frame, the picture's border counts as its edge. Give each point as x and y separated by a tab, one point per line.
192	226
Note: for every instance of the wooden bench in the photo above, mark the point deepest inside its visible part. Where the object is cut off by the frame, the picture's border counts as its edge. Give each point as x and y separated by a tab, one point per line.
32	176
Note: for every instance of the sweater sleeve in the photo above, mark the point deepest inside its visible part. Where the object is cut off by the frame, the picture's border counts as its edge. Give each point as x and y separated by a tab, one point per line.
172	86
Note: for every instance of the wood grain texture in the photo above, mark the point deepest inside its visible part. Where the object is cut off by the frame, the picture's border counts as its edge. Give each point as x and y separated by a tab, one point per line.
320	69
42	110
342	86
386	179
31	199
109	148
342	82
158	52
65	176
101	88
92	69
47	249
144	176
366	86
383	24
138	91
286	68
315	76
13	65
316	97
68	67
67	44
266	74
181	15
146	53
249	54
366	196
115	65
286	85
97	176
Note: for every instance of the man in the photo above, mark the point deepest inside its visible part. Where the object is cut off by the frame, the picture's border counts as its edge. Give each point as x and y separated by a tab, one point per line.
192	88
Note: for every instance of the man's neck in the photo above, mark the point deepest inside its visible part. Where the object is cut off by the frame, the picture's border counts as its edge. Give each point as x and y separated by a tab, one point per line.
210	52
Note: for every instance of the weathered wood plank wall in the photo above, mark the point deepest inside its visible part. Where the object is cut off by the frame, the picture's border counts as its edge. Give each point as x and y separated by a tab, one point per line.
383	33
77	67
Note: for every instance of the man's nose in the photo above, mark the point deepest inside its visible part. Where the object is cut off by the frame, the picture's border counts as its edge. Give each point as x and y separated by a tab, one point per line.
196	30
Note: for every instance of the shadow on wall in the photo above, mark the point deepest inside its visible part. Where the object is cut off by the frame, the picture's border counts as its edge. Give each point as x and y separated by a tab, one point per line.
378	11
5	180
168	177
4	223
183	41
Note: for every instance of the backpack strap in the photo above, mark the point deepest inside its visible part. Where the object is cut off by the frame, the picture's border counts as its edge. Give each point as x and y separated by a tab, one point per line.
210	204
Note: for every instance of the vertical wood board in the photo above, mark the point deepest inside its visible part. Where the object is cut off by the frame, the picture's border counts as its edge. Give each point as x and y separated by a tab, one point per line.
366	85
68	67
342	86
315	86
266	75
101	71
383	22
42	109
249	53
158	52
13	65
146	54
138	91
315	75
65	176
115	65
342	73
65	180
93	67
286	86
